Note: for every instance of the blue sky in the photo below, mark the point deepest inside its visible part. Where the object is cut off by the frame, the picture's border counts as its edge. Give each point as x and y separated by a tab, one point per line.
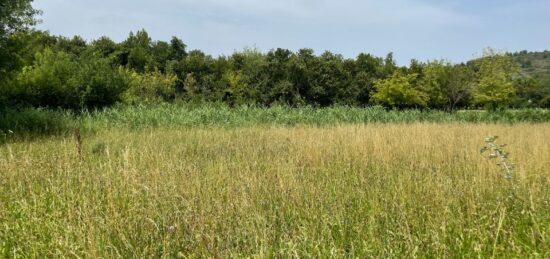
456	30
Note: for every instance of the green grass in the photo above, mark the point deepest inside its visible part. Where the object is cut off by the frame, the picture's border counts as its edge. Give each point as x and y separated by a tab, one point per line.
377	190
40	121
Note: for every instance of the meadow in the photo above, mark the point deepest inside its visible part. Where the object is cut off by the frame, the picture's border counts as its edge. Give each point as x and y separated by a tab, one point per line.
240	188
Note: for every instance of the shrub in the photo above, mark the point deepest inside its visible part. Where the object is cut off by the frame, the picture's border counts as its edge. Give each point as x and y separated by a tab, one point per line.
100	85
56	80
153	87
398	91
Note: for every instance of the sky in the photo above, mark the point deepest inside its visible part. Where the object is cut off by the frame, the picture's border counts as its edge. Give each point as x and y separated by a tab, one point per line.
456	30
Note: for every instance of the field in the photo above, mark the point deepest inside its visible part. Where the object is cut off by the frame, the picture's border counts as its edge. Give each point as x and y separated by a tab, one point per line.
417	189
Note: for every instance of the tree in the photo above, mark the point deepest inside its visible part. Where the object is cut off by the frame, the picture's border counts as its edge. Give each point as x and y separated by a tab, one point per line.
300	83
151	87
136	51
177	49
104	46
160	51
495	80
15	16
237	91
57	79
367	69
435	82
334	80
74	46
389	65
529	93
191	87
397	91
460	86
48	82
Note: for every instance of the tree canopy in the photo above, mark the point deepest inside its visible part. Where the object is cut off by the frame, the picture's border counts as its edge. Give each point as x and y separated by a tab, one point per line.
42	70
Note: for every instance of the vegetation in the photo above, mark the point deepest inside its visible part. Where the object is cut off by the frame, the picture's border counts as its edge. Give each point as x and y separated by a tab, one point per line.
35	122
416	190
144	149
45	71
397	91
535	66
70	73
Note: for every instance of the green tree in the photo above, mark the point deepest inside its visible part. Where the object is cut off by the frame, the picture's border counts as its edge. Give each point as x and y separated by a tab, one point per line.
105	46
334	81
367	69
151	87
15	16
397	91
459	90
298	89
49	82
98	84
237	91
191	87
160	51
389	65
57	79
74	46
529	92
495	80
177	49
277	68
136	52
435	82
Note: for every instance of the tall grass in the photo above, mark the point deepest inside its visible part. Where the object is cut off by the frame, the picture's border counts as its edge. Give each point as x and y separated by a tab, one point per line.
218	115
377	190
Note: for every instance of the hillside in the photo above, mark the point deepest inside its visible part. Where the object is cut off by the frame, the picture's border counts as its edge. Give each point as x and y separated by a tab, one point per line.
535	64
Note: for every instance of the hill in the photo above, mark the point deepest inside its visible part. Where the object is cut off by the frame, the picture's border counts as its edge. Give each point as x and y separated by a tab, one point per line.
535	64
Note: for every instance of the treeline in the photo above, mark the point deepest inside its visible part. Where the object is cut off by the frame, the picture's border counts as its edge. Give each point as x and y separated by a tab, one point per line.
41	70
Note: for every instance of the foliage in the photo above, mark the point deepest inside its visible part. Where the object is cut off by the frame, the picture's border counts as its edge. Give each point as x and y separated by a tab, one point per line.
435	82
495	80
56	79
496	151
535	66
191	115
35	122
151	87
15	16
398	91
278	77
459	89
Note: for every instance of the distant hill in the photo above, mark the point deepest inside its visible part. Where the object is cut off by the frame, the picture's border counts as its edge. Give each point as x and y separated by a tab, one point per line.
535	64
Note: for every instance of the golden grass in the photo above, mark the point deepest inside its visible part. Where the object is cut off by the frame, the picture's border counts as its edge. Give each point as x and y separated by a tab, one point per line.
417	190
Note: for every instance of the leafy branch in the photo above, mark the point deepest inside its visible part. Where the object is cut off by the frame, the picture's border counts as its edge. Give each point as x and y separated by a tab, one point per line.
496	152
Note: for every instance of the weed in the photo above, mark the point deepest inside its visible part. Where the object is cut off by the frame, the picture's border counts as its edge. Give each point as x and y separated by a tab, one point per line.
99	148
496	151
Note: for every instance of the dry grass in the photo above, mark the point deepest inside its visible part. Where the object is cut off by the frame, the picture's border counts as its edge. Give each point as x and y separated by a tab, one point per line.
418	190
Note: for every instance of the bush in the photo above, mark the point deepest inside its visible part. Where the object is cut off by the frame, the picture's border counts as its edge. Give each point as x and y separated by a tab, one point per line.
56	80
398	91
153	87
99	85
35	121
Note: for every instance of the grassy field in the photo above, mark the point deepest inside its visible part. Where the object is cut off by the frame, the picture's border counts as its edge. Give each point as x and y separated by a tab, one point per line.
377	190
